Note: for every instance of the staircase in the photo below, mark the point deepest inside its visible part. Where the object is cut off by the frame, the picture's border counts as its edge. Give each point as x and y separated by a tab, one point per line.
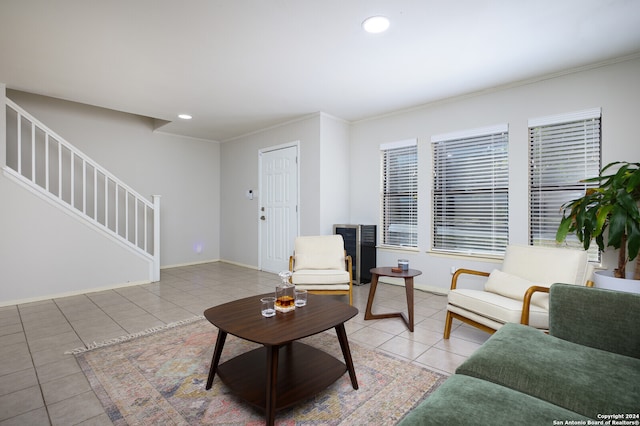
54	169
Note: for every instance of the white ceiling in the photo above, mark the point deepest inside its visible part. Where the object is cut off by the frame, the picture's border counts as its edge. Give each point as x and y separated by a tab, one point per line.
242	65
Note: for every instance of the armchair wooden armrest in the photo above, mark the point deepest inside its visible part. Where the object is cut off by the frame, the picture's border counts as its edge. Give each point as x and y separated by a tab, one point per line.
349	265
454	279
526	303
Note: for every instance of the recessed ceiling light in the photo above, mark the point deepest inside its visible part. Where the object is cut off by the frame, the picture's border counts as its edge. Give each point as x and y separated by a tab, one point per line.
185	116
376	24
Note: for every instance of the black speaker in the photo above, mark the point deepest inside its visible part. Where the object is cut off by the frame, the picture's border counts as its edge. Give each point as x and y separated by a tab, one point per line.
360	244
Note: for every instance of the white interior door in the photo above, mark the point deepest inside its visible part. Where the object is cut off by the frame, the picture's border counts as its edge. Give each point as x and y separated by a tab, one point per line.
278	207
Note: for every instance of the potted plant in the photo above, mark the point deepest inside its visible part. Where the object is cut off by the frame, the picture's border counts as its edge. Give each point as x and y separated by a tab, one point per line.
611	206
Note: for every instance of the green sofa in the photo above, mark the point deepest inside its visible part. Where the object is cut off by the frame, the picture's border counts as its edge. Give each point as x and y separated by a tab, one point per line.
585	371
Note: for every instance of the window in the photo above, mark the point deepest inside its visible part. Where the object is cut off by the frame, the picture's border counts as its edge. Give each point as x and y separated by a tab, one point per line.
399	194
563	150
470	191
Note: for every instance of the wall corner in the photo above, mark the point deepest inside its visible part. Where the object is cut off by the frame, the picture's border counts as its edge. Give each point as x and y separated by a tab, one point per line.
3	125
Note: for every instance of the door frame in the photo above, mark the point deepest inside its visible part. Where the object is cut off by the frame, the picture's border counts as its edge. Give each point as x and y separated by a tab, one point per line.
296	145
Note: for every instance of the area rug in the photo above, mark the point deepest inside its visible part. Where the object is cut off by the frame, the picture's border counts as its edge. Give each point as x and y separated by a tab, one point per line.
158	378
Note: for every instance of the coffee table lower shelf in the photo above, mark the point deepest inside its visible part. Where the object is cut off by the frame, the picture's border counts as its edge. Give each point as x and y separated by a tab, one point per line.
303	371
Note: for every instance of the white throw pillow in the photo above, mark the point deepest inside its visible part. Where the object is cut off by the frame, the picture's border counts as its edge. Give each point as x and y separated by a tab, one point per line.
514	287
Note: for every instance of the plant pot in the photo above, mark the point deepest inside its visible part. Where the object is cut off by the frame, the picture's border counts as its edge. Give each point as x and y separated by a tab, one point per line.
606	280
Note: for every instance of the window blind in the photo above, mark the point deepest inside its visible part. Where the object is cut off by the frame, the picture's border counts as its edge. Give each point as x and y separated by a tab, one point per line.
399	194
470	192
563	150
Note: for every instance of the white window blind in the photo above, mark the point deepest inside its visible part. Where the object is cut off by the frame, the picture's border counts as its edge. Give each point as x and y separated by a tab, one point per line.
563	150
470	191
399	193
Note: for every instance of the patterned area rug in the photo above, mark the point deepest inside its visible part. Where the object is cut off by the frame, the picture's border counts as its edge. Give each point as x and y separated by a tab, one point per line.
159	378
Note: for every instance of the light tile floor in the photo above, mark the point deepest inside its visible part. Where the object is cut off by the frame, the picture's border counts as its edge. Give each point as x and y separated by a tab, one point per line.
41	385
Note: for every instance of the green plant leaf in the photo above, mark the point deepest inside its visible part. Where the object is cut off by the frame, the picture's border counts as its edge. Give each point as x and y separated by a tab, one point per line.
613	206
600	242
627	202
617	224
601	218
563	229
634	181
633	239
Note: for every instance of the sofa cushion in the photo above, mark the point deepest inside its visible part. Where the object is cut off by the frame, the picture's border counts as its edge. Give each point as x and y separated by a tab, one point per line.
497	307
465	400
514	287
612	318
585	380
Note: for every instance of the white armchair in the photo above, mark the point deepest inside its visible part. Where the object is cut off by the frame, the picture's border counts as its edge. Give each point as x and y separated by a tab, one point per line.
321	265
519	291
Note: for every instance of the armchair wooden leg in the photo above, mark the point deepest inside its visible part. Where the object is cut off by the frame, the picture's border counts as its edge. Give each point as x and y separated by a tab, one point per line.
447	325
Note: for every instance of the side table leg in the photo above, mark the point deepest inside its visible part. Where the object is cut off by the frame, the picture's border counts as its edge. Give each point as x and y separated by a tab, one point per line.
372	295
222	336
408	285
346	352
272	383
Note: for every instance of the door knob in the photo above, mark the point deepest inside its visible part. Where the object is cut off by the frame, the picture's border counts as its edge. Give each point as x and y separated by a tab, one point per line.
263	218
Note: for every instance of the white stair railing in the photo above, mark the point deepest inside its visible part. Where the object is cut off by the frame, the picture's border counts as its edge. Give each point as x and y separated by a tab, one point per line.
47	163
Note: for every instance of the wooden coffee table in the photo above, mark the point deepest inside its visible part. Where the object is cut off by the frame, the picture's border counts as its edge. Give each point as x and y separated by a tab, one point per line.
283	371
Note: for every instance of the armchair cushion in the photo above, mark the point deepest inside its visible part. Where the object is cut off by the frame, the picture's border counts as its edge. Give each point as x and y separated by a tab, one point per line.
499	309
319	252
547	265
514	287
321	277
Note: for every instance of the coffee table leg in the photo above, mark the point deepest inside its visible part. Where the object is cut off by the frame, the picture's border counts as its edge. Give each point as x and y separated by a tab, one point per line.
272	383
346	352
222	336
372	294
408	285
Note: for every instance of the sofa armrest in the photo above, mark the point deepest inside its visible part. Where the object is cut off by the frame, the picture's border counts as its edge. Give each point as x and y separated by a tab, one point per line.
602	319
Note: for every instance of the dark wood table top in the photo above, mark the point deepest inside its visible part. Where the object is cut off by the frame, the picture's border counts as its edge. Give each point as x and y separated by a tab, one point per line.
386	271
242	318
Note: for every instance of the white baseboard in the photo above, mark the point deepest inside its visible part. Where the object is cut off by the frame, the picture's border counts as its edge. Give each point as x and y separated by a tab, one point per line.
423	287
255	268
71	293
179	265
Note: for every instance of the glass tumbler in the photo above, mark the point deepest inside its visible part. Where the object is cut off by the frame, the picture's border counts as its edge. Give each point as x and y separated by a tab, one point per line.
268	306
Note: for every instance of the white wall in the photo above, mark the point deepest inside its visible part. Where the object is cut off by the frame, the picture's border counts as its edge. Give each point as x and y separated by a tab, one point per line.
184	171
615	88
324	188
47	252
239	173
335	167
203	184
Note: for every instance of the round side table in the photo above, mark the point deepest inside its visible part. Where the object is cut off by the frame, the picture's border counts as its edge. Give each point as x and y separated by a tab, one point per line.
408	285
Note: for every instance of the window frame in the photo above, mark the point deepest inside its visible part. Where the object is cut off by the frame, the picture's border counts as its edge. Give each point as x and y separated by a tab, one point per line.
393	200
460	201
561	138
